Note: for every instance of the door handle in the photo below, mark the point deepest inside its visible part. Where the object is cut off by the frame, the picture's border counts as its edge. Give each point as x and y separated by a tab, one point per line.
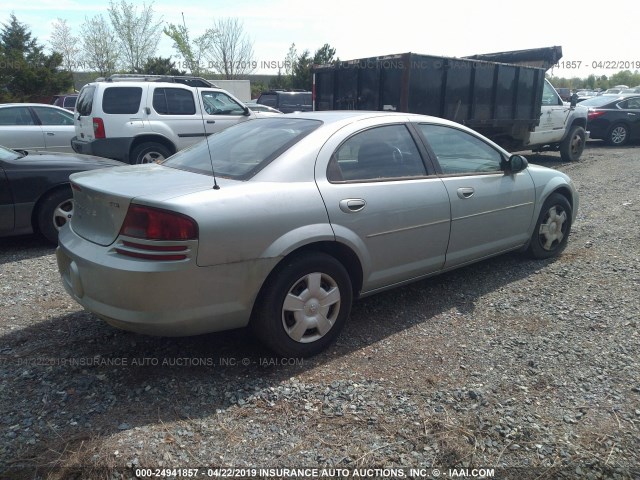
211	121
465	192
352	205
51	134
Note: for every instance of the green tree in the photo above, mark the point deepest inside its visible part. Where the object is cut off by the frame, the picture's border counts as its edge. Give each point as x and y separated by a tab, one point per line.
324	55
302	76
28	73
302	71
192	52
161	66
625	77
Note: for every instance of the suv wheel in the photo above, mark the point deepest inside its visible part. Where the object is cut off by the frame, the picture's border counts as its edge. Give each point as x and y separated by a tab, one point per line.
149	152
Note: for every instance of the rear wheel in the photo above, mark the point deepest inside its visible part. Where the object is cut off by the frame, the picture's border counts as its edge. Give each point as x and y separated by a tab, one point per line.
552	228
149	152
304	305
55	210
618	135
573	145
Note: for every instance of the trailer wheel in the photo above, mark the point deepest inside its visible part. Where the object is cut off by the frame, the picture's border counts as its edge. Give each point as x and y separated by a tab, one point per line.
573	144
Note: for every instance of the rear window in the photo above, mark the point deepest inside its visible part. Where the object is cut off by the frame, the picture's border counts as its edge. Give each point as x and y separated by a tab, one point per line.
121	100
70	102
599	101
295	99
85	100
241	151
269	99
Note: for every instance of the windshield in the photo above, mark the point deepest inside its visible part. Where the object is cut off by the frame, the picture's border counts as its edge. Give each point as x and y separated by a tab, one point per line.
242	150
7	154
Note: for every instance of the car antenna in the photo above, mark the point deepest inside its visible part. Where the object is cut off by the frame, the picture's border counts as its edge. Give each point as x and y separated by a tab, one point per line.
206	139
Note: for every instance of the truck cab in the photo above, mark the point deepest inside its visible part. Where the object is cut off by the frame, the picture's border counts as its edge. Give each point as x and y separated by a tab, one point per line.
562	126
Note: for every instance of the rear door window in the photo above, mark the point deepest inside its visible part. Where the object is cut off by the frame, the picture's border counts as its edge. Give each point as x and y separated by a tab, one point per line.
387	152
269	99
121	100
50	116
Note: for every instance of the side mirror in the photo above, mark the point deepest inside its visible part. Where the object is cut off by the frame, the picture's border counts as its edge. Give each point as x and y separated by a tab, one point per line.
247	112
574	100
516	163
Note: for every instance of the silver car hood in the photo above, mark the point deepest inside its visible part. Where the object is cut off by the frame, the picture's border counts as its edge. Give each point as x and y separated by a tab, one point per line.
102	197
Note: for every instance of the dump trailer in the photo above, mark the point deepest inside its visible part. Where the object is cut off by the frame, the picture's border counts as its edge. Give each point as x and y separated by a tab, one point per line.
512	104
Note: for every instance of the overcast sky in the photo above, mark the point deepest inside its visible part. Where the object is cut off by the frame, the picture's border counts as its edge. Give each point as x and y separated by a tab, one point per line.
359	29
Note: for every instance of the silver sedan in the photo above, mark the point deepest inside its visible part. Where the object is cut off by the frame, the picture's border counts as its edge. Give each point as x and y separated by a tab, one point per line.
280	223
36	126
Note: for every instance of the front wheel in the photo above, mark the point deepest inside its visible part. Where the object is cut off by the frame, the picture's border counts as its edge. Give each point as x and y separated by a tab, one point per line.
573	145
303	306
552	228
55	210
149	152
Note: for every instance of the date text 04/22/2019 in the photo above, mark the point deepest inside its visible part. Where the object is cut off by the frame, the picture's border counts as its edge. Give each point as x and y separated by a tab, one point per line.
604	64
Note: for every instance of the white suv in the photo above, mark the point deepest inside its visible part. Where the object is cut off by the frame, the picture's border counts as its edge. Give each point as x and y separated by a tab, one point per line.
143	119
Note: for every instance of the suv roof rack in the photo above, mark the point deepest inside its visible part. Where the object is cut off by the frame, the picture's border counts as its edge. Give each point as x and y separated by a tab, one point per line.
139	77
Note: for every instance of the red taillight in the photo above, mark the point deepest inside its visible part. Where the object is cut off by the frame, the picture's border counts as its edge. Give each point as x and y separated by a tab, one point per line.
154	224
594	114
98	128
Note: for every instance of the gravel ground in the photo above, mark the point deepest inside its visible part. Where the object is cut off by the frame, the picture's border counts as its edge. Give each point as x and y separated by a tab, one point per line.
528	367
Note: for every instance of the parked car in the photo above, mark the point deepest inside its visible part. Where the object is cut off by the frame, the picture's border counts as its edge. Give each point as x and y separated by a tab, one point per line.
36	126
280	222
135	120
257	107
66	101
630	90
582	95
287	101
614	118
35	195
615	90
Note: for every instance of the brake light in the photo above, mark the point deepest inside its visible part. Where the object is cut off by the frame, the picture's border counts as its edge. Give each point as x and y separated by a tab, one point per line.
594	114
98	128
155	224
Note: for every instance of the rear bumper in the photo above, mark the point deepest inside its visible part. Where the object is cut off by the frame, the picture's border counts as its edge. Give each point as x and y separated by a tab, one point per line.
169	298
115	148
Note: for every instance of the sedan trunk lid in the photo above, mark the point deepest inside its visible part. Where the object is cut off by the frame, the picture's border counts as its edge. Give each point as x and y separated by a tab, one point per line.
102	197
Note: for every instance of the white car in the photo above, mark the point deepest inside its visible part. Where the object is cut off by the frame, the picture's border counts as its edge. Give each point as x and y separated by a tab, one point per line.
36	126
147	119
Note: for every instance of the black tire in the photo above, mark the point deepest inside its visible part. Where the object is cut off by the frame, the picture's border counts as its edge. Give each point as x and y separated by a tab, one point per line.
149	152
54	211
552	229
303	280
573	145
618	135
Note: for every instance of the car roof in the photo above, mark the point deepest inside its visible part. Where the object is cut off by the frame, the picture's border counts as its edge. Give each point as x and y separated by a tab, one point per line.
335	116
33	104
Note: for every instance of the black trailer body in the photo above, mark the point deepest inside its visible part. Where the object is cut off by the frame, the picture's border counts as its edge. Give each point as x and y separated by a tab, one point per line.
496	99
